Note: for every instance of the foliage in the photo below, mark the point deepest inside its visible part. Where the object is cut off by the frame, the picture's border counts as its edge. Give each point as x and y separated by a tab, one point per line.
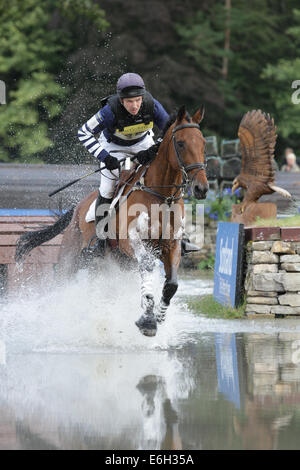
34	39
59	57
281	76
217	205
208	306
261	33
207	263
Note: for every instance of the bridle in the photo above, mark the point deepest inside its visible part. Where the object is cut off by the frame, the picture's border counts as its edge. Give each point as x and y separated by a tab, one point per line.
186	168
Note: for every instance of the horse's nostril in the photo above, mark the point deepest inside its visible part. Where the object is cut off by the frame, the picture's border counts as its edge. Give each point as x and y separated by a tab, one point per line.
200	191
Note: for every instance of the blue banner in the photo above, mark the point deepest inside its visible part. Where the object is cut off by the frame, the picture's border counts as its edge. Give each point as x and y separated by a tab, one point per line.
228	263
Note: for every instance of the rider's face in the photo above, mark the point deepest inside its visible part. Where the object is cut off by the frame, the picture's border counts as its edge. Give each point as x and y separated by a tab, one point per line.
132	105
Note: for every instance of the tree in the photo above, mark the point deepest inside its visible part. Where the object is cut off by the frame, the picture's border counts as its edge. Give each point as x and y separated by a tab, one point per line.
34	39
283	79
257	38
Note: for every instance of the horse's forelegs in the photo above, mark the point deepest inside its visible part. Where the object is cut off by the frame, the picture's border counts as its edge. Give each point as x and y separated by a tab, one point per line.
147	322
169	290
171	263
146	266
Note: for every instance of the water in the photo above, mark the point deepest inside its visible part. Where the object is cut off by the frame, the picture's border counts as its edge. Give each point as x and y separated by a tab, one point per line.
75	373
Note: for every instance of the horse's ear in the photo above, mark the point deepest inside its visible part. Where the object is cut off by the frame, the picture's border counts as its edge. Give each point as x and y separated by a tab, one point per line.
199	115
181	114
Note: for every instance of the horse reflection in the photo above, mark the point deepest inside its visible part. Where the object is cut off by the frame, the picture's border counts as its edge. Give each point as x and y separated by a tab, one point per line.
153	388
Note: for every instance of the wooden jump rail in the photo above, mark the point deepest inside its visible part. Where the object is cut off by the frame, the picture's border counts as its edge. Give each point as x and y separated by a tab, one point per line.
39	264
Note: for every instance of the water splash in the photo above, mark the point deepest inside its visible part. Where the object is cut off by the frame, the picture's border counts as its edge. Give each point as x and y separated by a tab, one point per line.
92	313
97	313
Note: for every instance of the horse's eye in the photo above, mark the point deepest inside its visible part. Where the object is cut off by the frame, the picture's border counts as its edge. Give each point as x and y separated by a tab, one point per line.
180	144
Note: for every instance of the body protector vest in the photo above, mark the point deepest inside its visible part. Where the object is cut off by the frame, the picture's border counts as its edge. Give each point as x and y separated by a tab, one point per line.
129	129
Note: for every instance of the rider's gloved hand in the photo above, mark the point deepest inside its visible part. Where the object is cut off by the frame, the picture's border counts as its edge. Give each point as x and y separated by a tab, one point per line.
146	156
112	163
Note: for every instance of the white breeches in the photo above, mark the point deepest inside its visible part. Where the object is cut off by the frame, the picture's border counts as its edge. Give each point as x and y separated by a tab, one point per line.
109	178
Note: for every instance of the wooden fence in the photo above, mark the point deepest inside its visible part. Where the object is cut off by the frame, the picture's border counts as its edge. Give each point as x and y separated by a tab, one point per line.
38	266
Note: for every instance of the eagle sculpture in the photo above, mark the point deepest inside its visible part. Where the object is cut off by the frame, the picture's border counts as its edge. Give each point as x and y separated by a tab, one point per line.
257	135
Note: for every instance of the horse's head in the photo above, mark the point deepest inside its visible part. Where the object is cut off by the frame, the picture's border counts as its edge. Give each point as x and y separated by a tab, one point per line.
187	151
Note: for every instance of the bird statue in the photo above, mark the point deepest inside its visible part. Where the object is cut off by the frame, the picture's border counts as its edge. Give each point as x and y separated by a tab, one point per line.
257	134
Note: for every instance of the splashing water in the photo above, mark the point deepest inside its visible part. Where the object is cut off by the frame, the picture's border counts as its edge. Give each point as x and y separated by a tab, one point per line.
97	313
91	313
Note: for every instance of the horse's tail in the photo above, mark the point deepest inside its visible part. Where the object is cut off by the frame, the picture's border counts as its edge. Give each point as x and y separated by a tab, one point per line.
30	240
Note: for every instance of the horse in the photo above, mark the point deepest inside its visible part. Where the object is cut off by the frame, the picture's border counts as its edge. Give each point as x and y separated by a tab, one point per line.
179	164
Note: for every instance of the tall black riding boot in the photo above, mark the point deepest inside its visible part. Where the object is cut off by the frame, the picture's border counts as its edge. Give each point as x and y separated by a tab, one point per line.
188	247
99	247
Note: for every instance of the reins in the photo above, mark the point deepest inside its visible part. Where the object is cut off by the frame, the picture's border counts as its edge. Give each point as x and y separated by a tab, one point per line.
185	169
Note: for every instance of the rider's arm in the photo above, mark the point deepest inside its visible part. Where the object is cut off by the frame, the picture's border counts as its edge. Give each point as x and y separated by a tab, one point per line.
160	115
96	124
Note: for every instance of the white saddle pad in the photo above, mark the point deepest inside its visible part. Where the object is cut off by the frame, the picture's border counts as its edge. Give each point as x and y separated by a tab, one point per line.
90	215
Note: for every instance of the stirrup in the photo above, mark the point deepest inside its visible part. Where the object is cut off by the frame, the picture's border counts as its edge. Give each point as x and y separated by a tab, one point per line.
98	248
188	247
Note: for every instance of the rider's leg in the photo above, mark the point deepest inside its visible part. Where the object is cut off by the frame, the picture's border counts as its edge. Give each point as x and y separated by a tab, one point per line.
103	201
107	186
99	247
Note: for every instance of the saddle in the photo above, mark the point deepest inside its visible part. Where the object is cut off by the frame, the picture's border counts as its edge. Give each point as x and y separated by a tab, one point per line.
124	177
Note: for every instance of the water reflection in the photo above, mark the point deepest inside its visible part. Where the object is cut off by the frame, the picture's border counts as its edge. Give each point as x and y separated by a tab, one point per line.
227	369
222	391
154	391
269	374
104	401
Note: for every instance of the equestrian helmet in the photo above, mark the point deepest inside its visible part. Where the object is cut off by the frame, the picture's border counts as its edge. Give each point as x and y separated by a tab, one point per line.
130	85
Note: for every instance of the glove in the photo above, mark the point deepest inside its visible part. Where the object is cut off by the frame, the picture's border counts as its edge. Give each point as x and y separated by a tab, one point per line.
146	156
112	163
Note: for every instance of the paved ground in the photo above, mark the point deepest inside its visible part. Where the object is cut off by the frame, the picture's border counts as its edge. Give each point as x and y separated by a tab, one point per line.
28	186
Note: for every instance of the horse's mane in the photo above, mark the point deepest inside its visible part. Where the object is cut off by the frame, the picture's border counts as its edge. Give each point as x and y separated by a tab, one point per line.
171	120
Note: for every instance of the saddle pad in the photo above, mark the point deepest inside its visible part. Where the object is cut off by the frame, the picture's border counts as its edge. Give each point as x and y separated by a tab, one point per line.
90	215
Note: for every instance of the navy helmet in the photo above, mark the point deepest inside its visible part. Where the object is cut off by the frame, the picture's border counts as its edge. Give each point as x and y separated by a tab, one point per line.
130	85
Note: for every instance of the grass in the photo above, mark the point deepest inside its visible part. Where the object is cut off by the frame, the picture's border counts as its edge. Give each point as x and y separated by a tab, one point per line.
207	263
293	221
208	306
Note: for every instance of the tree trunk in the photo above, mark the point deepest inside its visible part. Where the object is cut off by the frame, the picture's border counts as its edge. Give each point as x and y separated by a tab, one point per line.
227	39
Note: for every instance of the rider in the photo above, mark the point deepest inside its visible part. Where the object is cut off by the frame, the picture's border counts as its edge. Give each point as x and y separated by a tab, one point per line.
125	122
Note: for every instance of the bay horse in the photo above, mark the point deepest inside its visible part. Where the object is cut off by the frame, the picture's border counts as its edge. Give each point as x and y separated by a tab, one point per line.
179	163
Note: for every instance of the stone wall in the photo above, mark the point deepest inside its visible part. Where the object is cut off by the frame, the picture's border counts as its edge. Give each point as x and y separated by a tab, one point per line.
272	282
